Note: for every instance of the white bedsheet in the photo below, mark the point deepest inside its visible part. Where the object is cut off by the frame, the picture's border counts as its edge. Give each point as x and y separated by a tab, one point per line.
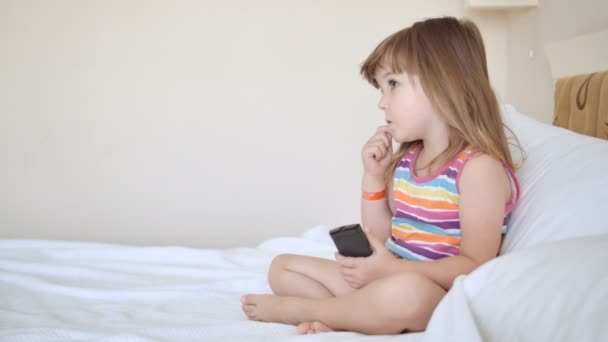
75	291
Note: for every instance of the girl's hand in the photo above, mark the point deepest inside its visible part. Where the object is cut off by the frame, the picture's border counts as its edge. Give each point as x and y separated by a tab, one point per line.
377	152
358	272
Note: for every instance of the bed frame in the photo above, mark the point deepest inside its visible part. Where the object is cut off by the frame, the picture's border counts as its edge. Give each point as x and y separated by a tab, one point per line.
579	66
581	104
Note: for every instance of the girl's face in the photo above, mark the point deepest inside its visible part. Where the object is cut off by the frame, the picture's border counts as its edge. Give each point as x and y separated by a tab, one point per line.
407	109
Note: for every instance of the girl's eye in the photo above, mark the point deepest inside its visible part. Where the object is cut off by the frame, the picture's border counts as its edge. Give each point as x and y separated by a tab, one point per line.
392	83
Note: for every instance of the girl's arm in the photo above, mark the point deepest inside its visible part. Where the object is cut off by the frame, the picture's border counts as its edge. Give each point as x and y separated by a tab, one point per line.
376	215
485	189
376	155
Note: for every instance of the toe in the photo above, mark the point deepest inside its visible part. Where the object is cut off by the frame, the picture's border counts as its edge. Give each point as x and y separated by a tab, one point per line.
319	327
249	299
303	328
249	310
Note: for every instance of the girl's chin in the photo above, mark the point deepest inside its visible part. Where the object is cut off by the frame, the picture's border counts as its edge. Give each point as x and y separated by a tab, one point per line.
401	140
398	140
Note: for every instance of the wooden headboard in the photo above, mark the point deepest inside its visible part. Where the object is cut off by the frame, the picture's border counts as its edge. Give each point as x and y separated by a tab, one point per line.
580	68
581	104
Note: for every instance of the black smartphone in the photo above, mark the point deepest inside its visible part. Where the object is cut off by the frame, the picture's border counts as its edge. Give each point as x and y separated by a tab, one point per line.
351	241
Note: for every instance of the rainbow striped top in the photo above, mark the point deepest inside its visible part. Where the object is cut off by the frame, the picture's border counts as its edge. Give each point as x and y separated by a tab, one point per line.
426	224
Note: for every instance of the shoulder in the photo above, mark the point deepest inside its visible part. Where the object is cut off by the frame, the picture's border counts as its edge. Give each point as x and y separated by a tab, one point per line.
484	174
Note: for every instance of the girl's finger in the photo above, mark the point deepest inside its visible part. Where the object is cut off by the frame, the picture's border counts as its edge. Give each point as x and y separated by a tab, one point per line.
381	139
383	128
354	285
350	278
372	145
374	151
379	153
349	262
387	139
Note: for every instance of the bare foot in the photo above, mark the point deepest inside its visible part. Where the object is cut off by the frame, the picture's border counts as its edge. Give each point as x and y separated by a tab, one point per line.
271	308
315	327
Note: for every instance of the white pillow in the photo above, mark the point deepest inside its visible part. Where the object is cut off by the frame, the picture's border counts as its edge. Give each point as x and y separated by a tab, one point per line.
564	184
555	292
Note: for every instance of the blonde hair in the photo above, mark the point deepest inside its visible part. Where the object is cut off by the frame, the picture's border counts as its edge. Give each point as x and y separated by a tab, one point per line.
448	55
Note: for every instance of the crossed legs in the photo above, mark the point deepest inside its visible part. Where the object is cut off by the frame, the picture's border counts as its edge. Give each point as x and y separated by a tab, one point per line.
312	290
308	277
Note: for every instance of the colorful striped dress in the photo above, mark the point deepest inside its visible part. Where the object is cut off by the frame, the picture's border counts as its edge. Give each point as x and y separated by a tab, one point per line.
426	224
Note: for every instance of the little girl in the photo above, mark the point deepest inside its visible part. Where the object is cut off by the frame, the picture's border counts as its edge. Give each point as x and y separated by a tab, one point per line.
437	208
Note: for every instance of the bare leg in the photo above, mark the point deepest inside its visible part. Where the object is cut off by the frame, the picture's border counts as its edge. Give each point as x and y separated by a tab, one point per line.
307	277
403	301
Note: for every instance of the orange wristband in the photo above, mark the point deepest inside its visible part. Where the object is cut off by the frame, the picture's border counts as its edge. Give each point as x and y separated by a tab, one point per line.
374	196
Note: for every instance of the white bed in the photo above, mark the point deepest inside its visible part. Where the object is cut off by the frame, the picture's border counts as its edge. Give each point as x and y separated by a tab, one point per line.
550	284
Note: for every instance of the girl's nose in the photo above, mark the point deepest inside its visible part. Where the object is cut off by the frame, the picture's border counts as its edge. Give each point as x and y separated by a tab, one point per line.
382	103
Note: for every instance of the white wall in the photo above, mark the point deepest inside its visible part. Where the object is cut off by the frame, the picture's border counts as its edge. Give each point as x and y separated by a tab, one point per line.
530	85
195	123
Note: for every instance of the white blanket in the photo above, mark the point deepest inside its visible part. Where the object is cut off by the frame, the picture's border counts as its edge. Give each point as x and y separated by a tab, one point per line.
75	291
